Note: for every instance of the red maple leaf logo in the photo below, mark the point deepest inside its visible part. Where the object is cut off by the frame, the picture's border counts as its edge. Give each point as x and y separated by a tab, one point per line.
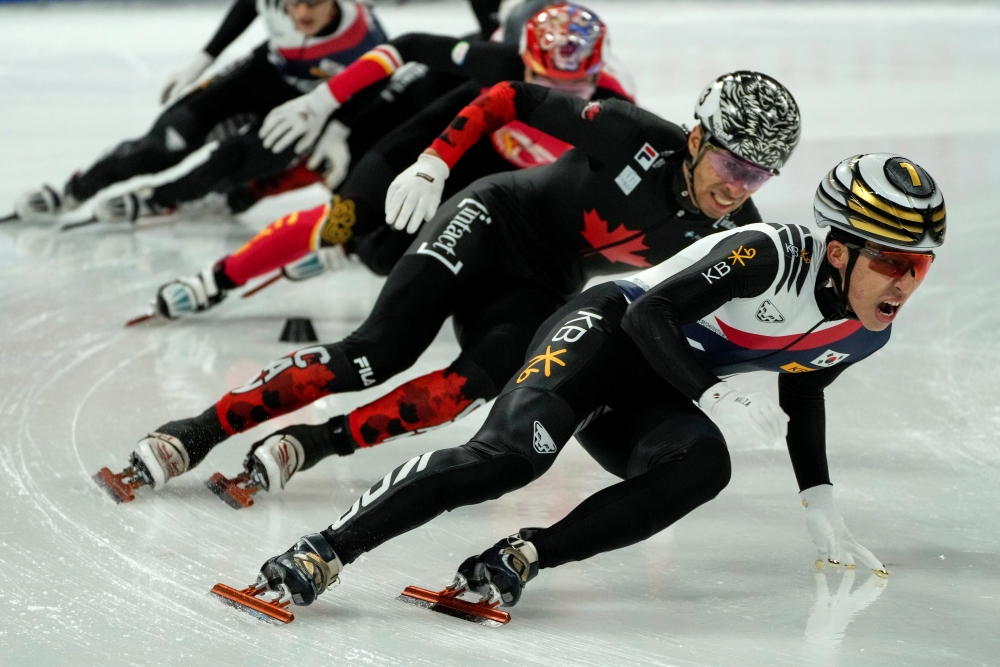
620	245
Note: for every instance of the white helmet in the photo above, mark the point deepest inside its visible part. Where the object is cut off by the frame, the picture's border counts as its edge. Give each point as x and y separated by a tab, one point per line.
751	115
884	198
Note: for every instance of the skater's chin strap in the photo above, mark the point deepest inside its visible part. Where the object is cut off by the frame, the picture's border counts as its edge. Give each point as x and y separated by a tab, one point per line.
834	290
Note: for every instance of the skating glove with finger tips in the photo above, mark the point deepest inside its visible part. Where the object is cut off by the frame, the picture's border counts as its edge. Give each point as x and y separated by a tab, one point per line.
331	154
178	80
414	195
302	118
835	543
754	413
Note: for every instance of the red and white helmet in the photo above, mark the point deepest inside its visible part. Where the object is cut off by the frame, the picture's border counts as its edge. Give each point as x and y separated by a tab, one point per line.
563	41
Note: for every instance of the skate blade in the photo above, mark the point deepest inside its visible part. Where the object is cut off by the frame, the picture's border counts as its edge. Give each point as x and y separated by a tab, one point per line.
447	602
141	318
229	491
119	492
80	223
248	602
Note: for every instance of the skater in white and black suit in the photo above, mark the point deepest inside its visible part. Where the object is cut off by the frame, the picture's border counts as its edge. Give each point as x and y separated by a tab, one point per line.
308	42
623	365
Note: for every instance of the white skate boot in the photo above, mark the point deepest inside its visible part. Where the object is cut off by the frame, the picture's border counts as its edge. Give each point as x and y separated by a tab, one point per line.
328	258
44	205
157	458
189	294
273	463
129	207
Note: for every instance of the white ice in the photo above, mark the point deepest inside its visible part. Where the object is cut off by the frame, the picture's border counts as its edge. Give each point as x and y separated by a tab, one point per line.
912	432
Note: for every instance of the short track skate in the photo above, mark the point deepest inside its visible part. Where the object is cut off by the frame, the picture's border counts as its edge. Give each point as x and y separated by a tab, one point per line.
448	602
236	492
249	601
119	485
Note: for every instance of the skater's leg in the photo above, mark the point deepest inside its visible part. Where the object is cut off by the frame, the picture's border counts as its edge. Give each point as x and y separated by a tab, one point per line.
679	465
252	85
538	411
284	241
237	159
494	333
499	459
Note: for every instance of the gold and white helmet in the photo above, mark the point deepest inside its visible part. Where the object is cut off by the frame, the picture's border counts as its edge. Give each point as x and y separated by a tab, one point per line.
884	198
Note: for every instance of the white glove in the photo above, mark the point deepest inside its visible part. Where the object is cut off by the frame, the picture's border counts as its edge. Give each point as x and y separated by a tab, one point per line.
830	535
302	117
178	80
415	194
755	413
332	150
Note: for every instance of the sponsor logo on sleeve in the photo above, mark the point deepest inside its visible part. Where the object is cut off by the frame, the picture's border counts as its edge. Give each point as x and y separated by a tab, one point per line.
646	156
829	358
742	255
542	441
795	367
768	313
628	179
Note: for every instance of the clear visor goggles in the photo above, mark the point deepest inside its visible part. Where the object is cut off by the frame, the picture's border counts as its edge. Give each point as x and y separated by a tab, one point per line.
735	170
897	263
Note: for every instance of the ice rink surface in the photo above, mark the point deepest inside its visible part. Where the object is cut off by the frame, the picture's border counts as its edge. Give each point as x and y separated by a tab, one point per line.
912	432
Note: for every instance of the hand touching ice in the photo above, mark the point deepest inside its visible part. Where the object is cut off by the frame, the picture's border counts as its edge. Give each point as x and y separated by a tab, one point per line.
835	543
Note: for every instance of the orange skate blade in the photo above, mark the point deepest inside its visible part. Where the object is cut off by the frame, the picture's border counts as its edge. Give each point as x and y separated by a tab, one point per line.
448	602
119	491
248	602
229	490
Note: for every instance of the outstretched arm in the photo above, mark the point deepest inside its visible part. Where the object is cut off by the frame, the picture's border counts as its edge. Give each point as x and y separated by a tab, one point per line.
240	15
592	126
239	18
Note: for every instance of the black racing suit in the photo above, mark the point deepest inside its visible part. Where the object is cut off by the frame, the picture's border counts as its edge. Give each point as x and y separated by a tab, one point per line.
500	257
617	368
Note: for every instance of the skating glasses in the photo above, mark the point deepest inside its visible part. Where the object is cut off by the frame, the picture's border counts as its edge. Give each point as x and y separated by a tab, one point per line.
897	264
735	170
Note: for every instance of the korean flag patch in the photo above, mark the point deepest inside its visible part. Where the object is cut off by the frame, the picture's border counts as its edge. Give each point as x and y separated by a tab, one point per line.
829	358
646	156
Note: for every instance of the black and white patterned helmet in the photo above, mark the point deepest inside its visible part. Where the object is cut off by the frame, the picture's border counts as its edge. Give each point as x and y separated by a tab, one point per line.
884	198
751	115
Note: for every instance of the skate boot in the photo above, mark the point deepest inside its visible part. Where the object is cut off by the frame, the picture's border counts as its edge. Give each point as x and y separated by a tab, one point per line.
157	458
269	465
299	575
501	572
189	294
327	258
44	204
129	207
271	462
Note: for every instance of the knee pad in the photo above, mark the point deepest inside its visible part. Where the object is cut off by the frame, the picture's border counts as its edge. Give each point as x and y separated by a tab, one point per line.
532	423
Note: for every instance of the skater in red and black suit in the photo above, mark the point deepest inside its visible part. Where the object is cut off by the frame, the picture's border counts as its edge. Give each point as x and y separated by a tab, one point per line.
626	366
503	255
304	243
